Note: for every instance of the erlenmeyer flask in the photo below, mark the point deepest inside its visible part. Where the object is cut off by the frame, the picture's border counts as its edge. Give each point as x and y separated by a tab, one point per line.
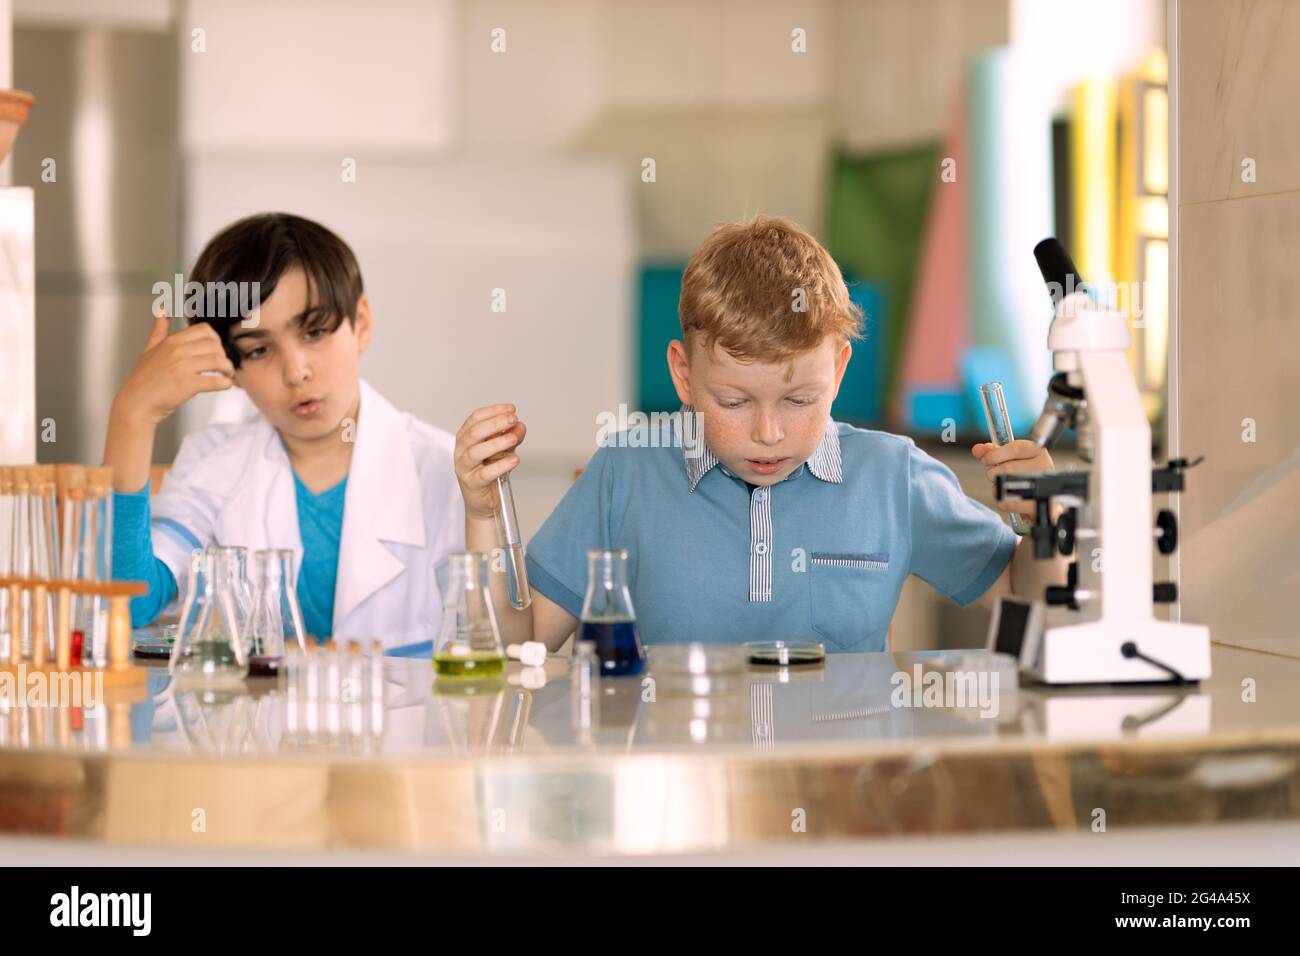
469	644
238	561
276	619
210	650
212	719
607	616
480	717
192	597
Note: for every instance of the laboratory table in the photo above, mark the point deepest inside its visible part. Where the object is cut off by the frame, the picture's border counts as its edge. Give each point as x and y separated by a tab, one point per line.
524	766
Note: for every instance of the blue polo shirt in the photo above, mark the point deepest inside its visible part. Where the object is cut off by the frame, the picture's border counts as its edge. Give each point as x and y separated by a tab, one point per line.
820	555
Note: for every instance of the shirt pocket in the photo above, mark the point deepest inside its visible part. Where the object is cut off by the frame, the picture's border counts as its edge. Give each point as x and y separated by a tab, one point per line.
852	596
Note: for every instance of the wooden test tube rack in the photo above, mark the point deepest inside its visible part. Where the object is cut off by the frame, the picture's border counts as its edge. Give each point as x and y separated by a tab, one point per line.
119	672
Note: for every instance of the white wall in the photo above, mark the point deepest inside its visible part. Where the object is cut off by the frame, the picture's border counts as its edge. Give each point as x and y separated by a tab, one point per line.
521	169
434	240
6	71
437	221
17	326
898	65
317	75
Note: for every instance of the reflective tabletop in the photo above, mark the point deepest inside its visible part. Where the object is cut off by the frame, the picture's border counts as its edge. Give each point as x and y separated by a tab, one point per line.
862	745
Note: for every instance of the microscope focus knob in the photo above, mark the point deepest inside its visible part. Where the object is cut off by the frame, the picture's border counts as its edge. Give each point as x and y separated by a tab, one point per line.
1060	594
1065	528
1166	531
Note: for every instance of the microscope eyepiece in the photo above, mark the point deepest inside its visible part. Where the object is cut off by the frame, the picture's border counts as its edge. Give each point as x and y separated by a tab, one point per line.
1060	385
1058	269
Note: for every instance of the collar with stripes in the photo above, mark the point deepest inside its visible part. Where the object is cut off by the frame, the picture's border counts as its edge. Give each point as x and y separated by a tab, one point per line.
824	463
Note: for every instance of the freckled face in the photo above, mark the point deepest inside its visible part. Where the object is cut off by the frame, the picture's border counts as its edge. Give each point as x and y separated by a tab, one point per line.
761	419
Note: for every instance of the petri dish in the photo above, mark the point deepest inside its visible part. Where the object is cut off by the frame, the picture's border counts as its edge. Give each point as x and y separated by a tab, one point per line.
696	669
785	653
155	644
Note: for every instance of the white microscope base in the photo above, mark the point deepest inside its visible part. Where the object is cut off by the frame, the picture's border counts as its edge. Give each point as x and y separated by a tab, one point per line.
1090	653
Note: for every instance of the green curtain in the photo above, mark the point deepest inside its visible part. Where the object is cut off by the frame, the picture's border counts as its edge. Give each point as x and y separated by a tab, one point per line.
876	220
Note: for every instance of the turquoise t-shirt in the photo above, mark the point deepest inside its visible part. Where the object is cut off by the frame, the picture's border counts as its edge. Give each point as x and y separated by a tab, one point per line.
320	524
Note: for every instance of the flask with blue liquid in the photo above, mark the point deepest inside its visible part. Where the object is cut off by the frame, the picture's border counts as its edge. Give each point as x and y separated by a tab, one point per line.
608	620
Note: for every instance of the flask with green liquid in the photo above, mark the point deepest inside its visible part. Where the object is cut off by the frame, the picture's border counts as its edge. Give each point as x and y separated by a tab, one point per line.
469	644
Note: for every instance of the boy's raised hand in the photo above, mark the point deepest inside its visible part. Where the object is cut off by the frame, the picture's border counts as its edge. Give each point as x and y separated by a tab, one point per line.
1018	457
170	371
483	454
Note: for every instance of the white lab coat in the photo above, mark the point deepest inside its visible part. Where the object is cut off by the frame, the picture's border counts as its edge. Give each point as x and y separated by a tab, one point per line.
402	515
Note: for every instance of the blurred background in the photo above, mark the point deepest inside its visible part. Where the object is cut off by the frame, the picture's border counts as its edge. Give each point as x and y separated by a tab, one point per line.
564	158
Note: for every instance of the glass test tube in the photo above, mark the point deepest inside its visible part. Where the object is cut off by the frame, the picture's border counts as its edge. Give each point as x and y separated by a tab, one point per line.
71	484
999	422
511	543
22	566
46	524
98	530
8	529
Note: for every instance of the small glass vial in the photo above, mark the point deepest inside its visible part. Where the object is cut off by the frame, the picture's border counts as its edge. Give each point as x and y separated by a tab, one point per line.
608	620
584	688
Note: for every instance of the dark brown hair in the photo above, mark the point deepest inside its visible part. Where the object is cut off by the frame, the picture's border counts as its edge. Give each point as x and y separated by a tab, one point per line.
261	249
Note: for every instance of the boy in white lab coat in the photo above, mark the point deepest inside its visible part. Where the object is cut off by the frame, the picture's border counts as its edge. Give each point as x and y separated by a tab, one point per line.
364	495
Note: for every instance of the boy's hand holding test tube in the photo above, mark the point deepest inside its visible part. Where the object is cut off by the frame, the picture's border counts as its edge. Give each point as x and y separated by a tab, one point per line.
1018	457
485	451
1003	454
510	540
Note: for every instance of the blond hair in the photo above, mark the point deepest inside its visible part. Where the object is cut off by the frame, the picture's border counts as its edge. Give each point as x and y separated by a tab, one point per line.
765	290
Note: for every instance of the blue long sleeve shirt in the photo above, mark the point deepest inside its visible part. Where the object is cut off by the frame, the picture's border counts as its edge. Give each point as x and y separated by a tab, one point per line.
133	557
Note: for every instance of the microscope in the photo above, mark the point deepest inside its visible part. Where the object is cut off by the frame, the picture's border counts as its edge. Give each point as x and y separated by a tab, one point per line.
1100	518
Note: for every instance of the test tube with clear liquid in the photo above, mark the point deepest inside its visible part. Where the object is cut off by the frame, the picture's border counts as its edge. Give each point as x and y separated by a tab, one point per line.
511	542
999	422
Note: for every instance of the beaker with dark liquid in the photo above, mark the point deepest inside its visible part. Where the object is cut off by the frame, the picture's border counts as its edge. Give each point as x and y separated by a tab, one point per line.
276	619
608	619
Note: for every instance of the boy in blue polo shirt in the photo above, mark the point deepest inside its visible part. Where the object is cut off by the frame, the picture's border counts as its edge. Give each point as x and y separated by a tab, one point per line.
752	515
